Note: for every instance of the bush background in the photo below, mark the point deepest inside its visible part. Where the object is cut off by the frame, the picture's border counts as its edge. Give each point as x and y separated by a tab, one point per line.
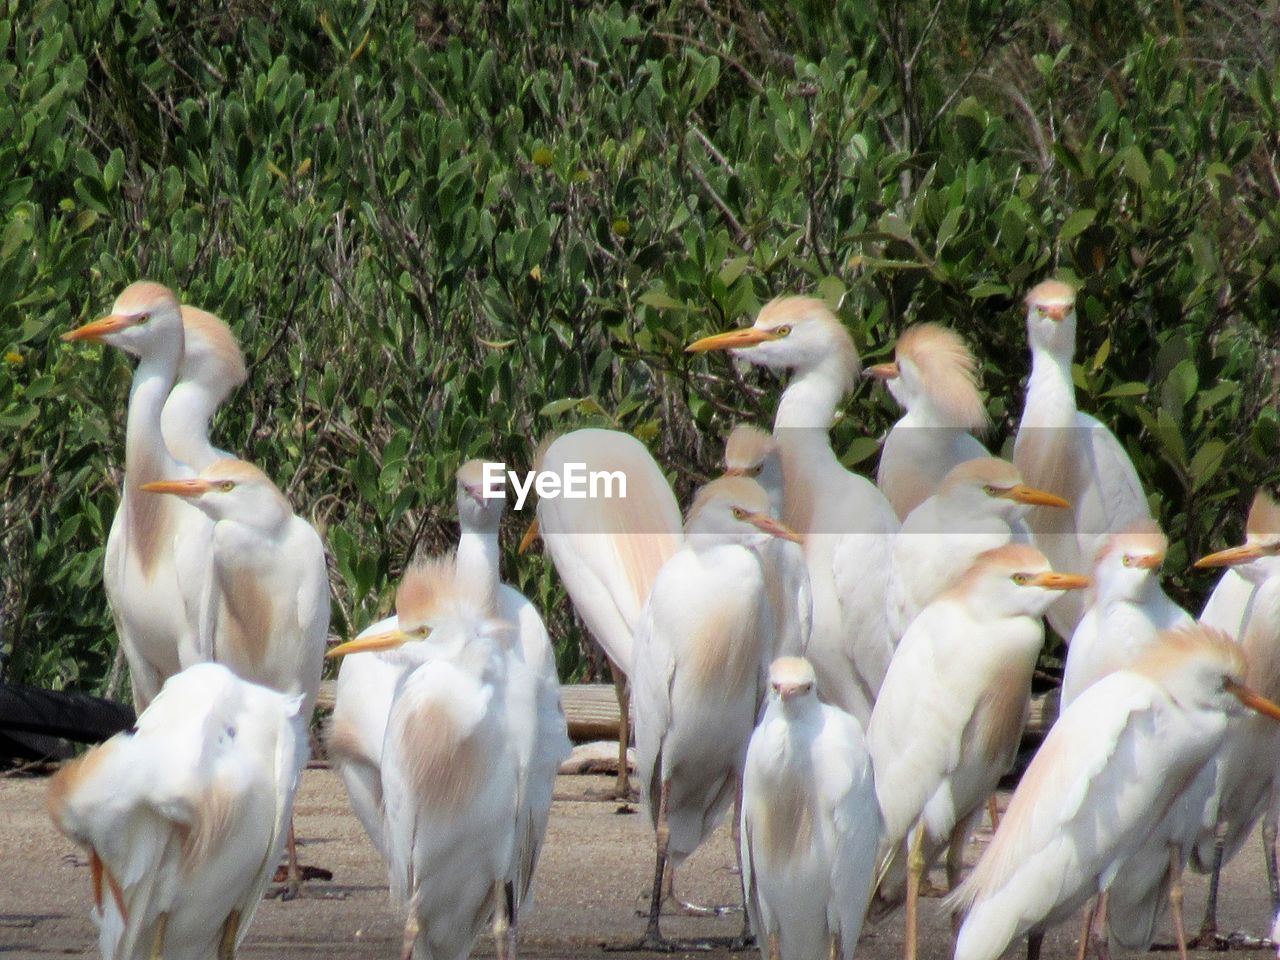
446	230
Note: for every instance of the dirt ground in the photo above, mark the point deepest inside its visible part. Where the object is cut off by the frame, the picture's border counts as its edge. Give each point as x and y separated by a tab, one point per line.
592	881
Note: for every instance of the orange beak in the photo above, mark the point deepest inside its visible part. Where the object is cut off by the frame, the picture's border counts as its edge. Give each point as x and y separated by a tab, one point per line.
732	340
98	329
1145	561
1252	699
1020	493
1231	556
387	640
883	371
1060	581
529	537
1057	311
776	528
179	488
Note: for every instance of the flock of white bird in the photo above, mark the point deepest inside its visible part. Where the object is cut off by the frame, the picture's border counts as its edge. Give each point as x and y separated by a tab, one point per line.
846	664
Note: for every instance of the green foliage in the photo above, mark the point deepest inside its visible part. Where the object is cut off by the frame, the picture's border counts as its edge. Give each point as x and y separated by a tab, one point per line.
443	233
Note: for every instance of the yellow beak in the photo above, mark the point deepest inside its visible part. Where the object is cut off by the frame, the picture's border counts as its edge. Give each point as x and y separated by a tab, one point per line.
96	330
1146	561
529	537
1231	556
883	371
732	340
1057	311
387	640
777	528
1060	581
1253	699
1021	493
180	488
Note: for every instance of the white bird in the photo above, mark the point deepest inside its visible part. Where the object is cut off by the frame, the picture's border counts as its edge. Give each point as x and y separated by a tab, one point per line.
1062	449
932	377
1127	607
1107	773
183	816
367	681
455	778
949	719
846	523
978	506
608	549
212	366
810	823
701	656
150	538
1241	788
752	452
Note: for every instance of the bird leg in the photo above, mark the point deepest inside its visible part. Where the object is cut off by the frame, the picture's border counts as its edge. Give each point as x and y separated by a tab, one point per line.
955	866
744	939
1035	939
653	939
1208	935
1175	898
293	878
775	947
915	867
993	811
227	942
623	692
1269	857
157	942
410	932
836	951
1099	935
504	928
1082	951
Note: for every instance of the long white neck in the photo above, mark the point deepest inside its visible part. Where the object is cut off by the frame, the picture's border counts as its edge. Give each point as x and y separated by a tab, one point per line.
1051	393
185	424
477	562
811	398
146	457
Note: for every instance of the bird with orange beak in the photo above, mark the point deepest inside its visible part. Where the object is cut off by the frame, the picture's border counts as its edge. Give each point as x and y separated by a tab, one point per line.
1062	449
151	539
933	377
847	524
212	367
949	719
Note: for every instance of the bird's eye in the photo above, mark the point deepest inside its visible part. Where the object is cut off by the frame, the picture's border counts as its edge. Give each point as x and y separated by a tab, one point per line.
1021	579
739	513
990	490
754	471
226	486
1127	560
782	331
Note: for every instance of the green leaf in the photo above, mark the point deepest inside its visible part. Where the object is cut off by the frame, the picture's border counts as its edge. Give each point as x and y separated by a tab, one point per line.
1206	463
1076	224
662	301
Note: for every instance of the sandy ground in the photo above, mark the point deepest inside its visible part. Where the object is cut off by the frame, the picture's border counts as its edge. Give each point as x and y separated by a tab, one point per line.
592	881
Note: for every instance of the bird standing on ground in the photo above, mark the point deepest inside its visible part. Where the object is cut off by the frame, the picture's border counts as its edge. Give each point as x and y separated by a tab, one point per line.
184	815
608	549
932	377
978	506
1110	768
1242	792
752	452
150	537
212	366
1059	448
949	719
810	823
846	523
699	674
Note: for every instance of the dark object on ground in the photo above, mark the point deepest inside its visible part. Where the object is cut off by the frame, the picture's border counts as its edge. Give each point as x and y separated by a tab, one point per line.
35	724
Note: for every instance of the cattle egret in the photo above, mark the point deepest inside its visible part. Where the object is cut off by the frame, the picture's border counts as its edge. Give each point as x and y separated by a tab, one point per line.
701	655
1069	452
1127	608
932	377
810	823
845	521
1107	773
752	452
184	815
950	715
1240	795
150	537
978	506
212	366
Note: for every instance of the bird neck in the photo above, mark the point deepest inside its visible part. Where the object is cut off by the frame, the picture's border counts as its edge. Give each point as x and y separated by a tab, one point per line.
811	398
146	457
477	562
184	423
1051	386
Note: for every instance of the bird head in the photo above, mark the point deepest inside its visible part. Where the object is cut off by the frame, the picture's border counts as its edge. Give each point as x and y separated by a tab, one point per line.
476	509
1202	667
1051	317
231	490
1128	563
1015	580
734	510
143	316
1258	558
933	367
792	681
752	452
989	486
211	356
790	333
